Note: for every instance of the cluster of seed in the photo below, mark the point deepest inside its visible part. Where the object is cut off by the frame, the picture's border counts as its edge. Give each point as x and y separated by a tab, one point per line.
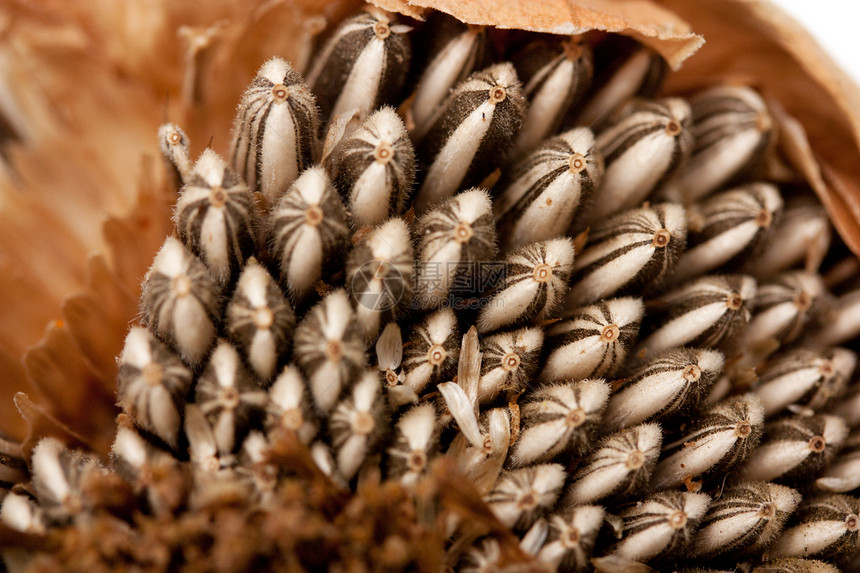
590	300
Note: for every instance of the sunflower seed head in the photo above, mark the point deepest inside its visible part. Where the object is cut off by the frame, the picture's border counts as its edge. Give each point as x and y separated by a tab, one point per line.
174	145
843	475
510	361
594	341
289	407
379	276
415	444
801	235
433	350
483	556
357	423
784	307
838	324
633	72
806	378
453	51
456	240
745	518
523	495
229	396
710	312
572	536
58	477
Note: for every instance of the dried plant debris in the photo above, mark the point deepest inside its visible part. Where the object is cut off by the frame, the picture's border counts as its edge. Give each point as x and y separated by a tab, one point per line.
513	314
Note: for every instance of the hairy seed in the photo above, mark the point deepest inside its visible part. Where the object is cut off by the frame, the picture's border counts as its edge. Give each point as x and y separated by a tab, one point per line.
620	467
180	301
275	131
545	191
643	146
362	65
376	168
721	438
308	232
632	249
732	130
216	216
152	385
467	138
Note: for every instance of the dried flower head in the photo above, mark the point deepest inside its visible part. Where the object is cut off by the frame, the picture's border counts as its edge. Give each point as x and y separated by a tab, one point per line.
289	404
